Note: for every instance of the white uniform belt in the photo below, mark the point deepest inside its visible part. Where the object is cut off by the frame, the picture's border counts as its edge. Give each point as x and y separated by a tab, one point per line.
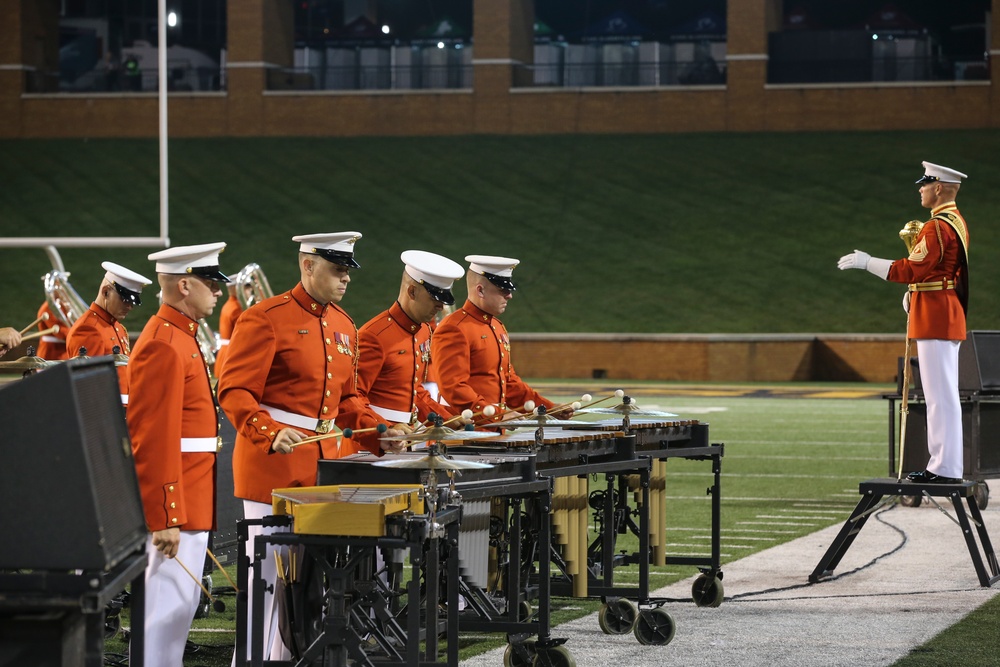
934	286
53	339
298	421
199	445
124	399
396	416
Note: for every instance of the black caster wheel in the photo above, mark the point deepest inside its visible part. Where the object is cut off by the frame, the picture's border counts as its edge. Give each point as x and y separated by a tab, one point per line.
981	494
519	655
707	591
524	611
910	501
112	624
617	617
655	627
554	656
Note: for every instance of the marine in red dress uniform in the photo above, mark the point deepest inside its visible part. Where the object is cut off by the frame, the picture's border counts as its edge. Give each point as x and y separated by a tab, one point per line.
395	346
231	311
937	275
471	347
51	346
289	374
100	330
173	425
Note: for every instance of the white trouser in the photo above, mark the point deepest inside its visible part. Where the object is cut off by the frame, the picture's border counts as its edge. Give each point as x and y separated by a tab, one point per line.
172	598
274	647
938	360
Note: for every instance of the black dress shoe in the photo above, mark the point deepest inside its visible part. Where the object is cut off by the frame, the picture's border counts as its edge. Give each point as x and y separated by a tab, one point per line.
927	477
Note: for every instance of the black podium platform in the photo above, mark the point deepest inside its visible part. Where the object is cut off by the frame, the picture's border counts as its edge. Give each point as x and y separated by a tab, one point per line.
874	490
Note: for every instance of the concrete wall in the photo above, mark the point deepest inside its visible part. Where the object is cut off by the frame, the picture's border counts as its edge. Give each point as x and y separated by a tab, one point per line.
709	358
260	40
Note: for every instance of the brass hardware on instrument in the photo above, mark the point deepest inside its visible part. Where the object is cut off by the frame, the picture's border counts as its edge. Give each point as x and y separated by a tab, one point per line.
908	234
251	286
434	460
25	364
439	434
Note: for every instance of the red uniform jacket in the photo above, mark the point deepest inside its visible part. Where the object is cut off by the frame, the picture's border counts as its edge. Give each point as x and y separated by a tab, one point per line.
231	311
100	333
938	254
393	361
52	347
172	399
295	354
471	350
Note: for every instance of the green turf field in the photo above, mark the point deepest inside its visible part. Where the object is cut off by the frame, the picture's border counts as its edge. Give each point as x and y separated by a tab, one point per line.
713	233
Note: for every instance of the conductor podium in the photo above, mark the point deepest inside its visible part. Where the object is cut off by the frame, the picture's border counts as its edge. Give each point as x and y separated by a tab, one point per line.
74	527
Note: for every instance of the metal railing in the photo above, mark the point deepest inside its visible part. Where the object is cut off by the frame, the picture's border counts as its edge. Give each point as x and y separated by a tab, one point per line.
639	73
372	77
182	78
875	70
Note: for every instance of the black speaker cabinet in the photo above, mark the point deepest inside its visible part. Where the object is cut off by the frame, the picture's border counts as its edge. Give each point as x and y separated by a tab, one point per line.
68	486
979	362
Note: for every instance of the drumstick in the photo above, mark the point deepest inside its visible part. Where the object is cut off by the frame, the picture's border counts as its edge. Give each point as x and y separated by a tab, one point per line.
196	579
223	570
38	334
44	317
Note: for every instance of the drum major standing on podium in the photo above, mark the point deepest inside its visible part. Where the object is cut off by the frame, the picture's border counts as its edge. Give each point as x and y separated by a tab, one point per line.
937	277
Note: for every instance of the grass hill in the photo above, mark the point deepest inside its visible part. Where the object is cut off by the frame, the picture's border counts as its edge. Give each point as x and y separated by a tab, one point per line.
712	233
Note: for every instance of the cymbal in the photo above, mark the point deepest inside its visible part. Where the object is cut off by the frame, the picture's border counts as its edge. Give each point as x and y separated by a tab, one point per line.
25	364
432	461
439	433
630	409
536	422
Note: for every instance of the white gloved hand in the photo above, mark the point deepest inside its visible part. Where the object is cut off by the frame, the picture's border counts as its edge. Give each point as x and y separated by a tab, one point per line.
856	260
906	302
859	259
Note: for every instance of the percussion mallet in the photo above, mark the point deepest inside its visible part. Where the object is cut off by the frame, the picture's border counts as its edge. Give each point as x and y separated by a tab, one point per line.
467	414
44	317
38	334
575	405
196	580
381	428
316	438
223	570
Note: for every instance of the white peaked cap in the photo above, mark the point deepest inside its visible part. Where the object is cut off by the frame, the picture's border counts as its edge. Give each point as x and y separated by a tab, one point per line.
497	266
200	259
123	277
436	273
935	172
337	247
426	267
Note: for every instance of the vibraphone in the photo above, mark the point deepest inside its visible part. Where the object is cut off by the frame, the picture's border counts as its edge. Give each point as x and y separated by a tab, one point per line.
340	614
492	606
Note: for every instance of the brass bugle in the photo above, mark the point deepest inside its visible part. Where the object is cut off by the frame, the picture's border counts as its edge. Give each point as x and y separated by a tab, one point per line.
38	334
44	317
